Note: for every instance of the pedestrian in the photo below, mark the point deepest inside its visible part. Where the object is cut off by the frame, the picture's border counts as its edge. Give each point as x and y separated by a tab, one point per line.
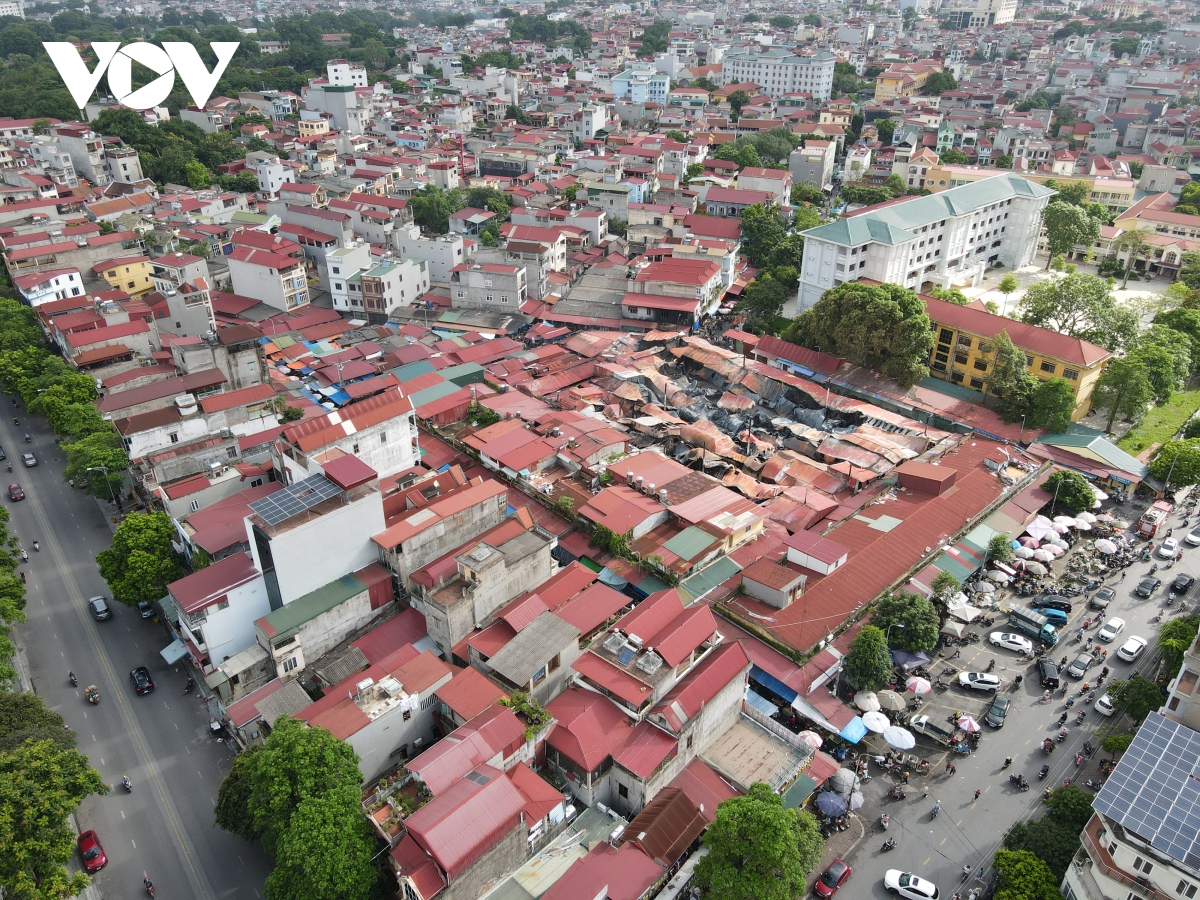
904	778
22	578
953	769
979	874
966	873
977	793
949	765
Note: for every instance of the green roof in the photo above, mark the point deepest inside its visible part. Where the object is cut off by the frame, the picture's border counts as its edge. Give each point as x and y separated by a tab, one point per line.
462	375
433	392
692	589
894	224
690	542
1103	449
287	620
412	370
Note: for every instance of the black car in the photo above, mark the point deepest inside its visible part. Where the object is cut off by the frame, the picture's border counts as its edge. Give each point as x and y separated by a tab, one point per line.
997	711
1182	583
1103	597
142	682
1147	586
1048	672
1054	601
100	608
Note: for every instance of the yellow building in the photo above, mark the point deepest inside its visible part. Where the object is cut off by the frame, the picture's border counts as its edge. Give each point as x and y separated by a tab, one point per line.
131	274
962	351
312	127
1114	193
903	79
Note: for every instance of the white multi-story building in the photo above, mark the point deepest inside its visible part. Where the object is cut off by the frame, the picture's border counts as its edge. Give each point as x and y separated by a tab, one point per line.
343	74
277	280
12	8
944	239
642	84
981	14
779	72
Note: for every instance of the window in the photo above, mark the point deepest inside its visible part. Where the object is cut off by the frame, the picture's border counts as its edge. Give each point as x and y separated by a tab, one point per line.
1028	360
945	335
223	604
355	449
1049	368
623	792
407	714
1142	865
232	452
554	663
290	664
383	437
194	505
1183	889
977	384
173	437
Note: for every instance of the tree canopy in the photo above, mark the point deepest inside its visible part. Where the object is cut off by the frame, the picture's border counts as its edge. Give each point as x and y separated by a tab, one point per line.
757	850
916	620
1174	639
141	561
868	662
1081	306
1070	490
1177	462
883	327
1123	390
1024	877
1050	405
1138	695
1069	226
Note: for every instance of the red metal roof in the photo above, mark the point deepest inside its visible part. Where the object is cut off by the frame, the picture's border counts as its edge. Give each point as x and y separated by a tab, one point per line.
685	633
203	588
256	393
588	727
348	471
704	787
616	681
652	615
701	685
406	628
411	860
645	750
625	873
540	796
592	608
469	693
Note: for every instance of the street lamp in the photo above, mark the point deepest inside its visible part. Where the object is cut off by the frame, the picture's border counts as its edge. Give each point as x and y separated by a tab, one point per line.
104	469
888	637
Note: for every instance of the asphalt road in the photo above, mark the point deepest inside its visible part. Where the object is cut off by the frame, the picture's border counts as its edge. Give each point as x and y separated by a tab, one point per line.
968	831
164	828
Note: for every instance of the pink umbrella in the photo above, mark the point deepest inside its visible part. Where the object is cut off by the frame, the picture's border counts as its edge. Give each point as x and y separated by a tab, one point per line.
811	738
918	685
967	724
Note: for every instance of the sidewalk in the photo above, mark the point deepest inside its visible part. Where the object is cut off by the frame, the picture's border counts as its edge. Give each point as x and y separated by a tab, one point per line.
841	844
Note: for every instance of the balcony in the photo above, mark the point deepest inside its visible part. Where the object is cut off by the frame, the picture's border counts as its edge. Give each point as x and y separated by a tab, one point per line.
1103	863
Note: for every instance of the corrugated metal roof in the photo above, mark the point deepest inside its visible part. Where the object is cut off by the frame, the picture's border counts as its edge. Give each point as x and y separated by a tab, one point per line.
645	750
691	542
291	616
692	589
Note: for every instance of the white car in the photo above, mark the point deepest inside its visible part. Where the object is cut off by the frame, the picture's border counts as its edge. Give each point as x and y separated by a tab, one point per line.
979	681
1169	548
1010	641
1193	537
908	885
1132	648
1105	706
1111	629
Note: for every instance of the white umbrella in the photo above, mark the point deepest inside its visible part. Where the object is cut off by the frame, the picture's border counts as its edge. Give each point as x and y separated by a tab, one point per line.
866	701
811	738
985	587
1036	568
1058	542
875	721
1060	528
1023	553
1083	526
1088	517
1105	517
842	780
998	577
1054	550
1043	555
1064	520
967	724
1100	495
891	700
1103	546
857	800
900	738
918	685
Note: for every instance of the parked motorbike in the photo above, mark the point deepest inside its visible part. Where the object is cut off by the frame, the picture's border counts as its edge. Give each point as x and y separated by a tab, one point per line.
1093	784
897	793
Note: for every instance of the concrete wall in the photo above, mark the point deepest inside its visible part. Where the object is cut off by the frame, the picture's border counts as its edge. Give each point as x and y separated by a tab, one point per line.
428	545
448	625
386	447
375	743
768	595
503	859
515	578
320	635
231	630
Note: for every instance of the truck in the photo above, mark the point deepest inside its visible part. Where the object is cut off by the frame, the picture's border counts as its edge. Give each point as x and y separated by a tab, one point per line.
1033	624
1154	518
922	725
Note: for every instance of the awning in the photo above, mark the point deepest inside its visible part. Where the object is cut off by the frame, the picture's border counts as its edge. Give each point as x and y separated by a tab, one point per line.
761	703
801	789
174	652
855	731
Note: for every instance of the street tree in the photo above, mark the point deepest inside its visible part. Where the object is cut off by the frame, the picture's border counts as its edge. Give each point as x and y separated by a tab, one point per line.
942	589
1178	346
88	459
1070	490
883	327
917	615
1051	404
1068	226
1174	639
885	128
1007	369
1023	876
999	548
1081	306
868	662
41	784
24	717
141	561
1008	285
1177	462
326	850
1138	696
1134	243
1118	742
1123	390
1185	321
757	850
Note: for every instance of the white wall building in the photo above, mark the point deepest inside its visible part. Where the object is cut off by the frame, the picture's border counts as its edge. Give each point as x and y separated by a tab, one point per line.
944	239
642	85
218	606
779	72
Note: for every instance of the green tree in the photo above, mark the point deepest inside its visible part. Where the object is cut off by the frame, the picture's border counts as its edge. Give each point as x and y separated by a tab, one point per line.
954	157
806	192
677	136
1074	192
1138	696
812	20
1189	269
432	207
762	229
762	301
694	170
1023	876
1174	639
89	457
737	100
1008	368
949	295
1180	460
938	83
1118	742
1000	548
141	561
917	615
757	850
517	114
374	53
1051	405
1004	161
1185	321
883	327
24	717
1070	490
1123	390
1008	285
895	185
1134	243
885	128
782	22
41	783
868	663
618	227
1166	356
1081	306
1068	226
326	851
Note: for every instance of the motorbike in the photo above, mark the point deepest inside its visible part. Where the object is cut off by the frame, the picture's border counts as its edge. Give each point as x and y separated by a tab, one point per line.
897	793
1045	770
1048	745
24	555
1093	784
1082	715
889	844
149	886
1170	598
1063	735
190	686
127	784
74	681
1019	780
990	666
1070	702
937	808
93	694
884	821
1078	759
1090	697
37	547
1007	762
1088	749
1062	720
28	439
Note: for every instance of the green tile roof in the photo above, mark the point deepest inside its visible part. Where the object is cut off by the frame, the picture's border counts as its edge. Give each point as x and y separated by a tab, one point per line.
287	620
462	375
1103	449
434	392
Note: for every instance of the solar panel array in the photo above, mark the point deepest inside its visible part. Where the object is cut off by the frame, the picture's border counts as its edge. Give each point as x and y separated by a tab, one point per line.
1155	789
295	499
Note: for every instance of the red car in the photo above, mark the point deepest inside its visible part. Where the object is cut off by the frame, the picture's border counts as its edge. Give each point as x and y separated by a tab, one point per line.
831	879
15	492
93	854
